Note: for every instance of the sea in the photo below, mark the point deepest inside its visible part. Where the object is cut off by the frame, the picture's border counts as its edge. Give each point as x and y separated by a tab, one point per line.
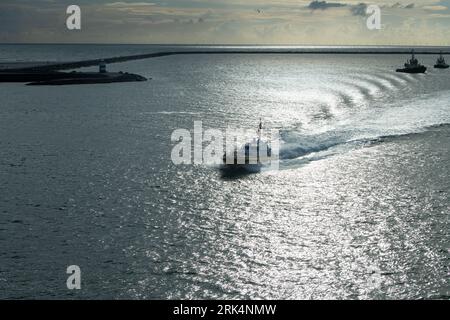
359	207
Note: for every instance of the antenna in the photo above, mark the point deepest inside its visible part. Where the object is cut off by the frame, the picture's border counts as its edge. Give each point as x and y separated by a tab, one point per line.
259	128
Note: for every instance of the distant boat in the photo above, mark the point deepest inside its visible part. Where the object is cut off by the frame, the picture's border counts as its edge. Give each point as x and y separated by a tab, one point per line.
440	63
413	66
250	158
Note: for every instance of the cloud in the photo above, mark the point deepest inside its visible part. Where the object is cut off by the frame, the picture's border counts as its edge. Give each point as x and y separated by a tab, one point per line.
226	21
436	8
359	9
398	5
129	4
323	5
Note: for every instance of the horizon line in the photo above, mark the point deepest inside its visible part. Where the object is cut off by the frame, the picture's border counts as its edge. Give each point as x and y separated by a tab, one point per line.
226	45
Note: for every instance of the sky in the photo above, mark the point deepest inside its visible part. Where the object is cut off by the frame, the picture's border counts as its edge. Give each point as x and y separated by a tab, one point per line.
253	22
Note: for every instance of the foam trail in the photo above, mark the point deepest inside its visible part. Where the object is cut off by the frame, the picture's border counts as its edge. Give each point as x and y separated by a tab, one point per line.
396	120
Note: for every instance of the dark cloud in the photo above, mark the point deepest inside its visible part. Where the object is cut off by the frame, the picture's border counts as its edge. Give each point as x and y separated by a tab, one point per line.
323	5
398	5
21	22
359	9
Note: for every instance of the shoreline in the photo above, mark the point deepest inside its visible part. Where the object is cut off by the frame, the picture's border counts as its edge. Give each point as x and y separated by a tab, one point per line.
95	62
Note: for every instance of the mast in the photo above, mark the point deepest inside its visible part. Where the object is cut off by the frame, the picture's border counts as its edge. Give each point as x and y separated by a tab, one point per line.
259	129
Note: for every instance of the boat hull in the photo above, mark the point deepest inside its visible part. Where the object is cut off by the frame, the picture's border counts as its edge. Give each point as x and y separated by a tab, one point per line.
241	168
440	66
412	70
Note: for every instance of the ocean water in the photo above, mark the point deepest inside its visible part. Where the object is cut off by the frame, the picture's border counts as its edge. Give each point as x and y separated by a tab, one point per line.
359	208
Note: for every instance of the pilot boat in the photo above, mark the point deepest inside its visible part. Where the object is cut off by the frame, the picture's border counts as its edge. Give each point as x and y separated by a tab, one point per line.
251	157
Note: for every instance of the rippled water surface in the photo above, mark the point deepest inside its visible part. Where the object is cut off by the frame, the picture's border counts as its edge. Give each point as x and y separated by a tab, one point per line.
359	208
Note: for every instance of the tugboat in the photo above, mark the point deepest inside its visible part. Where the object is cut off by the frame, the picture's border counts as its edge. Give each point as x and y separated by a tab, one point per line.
440	63
248	158
413	66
